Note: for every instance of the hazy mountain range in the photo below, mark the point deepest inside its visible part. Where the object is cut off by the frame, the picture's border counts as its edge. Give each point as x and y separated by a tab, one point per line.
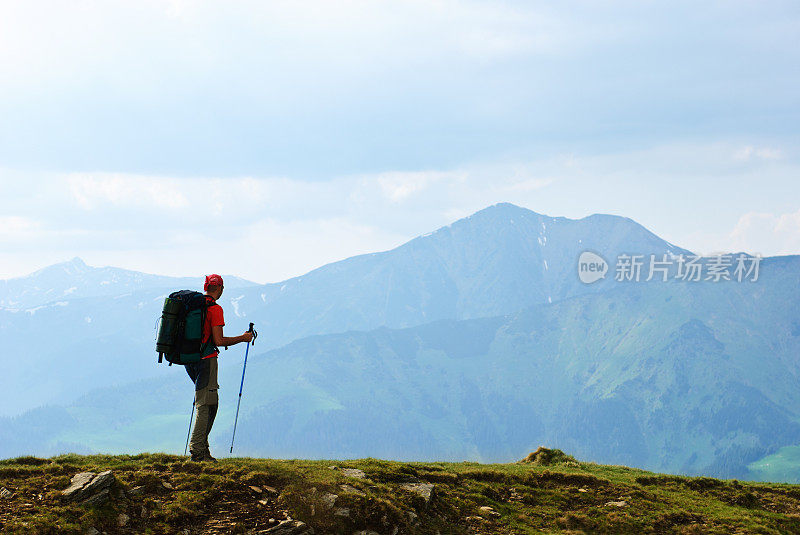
75	280
476	341
494	262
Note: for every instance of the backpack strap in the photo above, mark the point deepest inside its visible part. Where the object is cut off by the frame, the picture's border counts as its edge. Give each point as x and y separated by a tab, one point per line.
208	303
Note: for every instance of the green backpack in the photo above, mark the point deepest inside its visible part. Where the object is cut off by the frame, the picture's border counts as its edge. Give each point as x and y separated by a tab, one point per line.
180	333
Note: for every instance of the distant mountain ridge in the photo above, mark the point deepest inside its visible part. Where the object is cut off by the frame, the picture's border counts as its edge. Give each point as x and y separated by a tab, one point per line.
496	261
75	280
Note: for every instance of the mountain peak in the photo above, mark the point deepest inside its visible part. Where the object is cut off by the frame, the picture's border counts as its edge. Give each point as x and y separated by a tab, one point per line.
506	208
75	266
500	213
71	267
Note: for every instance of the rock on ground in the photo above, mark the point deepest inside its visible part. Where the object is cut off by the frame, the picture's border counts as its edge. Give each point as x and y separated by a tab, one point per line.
77	482
354	472
351	489
89	488
329	499
425	490
488	511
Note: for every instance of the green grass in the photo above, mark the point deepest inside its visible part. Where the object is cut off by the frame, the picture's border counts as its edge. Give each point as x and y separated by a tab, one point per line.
566	496
783	465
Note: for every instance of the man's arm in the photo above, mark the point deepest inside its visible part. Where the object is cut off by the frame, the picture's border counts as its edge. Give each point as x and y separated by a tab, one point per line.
221	340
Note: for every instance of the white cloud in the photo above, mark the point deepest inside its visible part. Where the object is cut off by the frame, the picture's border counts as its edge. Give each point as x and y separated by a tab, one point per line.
758	231
400	186
529	184
749	152
91	190
789	223
265	228
270	228
16	227
263	250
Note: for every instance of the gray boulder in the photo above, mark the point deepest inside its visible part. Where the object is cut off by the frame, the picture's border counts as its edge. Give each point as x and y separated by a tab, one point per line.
489	511
350	489
329	499
77	482
88	488
425	490
354	472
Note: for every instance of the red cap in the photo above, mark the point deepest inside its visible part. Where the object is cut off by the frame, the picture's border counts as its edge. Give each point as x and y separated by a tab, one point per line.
212	280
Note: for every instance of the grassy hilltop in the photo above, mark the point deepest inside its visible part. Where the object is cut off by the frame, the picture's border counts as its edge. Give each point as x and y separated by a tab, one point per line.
548	493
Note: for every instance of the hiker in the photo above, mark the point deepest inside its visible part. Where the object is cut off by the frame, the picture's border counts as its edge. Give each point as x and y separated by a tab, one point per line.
204	372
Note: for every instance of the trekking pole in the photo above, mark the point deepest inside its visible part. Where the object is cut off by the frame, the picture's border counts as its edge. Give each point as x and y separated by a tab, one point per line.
186	449
246	351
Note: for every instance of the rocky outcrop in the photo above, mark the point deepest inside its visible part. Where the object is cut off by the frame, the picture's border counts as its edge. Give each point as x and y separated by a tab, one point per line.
351	490
88	488
487	511
424	490
329	499
354	472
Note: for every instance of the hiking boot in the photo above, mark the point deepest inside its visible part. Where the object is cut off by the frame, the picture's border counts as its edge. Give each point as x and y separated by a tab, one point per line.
204	456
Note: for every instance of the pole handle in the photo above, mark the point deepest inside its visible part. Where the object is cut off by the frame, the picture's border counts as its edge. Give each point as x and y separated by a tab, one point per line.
255	334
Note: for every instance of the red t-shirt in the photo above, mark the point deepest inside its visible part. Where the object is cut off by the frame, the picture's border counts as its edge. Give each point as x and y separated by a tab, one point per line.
214	318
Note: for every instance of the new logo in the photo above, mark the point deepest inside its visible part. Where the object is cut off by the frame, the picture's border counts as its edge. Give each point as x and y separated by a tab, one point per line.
591	267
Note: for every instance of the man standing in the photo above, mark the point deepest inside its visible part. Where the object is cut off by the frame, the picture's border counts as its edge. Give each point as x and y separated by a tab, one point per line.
204	373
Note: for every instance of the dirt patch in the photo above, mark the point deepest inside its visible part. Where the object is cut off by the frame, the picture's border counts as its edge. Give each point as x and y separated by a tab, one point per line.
747	500
29	461
666	522
703	483
486	475
660	481
446	478
548	478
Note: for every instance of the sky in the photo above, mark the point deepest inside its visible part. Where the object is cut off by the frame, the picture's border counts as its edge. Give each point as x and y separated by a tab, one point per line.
265	139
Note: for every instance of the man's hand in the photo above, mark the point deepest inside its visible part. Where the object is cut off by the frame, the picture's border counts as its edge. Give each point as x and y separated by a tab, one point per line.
221	340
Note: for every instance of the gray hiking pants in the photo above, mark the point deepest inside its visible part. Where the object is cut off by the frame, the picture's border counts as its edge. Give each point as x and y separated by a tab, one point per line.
206	401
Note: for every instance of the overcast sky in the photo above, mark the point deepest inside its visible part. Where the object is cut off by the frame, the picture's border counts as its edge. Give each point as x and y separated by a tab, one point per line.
268	138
